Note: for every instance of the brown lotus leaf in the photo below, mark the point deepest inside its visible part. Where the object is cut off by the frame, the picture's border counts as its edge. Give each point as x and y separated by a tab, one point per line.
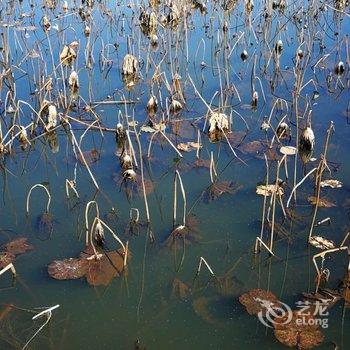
5	311
252	147
184	234
326	297
45	223
258	300
102	271
182	128
208	309
188	146
346	290
18	246
90	156
149	186
5	259
201	163
68	269
322	202
300	332
271	154
98	271
219	188
180	289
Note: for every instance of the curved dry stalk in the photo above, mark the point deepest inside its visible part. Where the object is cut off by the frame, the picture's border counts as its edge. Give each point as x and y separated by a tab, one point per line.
322	256
101	222
30	192
75	142
131	216
48	314
298	184
178	178
70	184
212	168
171	144
87	208
276	191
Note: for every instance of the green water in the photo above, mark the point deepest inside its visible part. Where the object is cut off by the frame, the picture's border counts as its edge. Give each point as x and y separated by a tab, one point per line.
140	305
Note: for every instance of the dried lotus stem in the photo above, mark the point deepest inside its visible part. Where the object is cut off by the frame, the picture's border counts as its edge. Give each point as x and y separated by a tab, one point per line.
87	208
212	169
201	261
71	184
98	221
178	178
30	192
131	215
322	256
11	267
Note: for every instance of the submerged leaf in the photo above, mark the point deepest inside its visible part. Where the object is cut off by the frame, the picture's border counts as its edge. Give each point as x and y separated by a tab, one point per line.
258	300
18	246
322	202
217	189
180	289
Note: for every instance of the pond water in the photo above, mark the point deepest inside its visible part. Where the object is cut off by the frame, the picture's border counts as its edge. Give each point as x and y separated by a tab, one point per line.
210	57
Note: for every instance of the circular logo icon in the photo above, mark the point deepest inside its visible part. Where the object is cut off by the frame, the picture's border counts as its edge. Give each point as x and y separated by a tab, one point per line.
271	310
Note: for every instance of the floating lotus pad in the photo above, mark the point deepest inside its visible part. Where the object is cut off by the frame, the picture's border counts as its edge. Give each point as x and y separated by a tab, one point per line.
18	246
300	332
257	300
97	271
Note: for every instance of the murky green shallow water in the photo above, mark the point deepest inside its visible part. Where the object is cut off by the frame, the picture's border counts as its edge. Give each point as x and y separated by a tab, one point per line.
140	304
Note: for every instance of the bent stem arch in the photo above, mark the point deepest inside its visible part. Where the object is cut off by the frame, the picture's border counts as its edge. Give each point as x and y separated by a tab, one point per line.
30	192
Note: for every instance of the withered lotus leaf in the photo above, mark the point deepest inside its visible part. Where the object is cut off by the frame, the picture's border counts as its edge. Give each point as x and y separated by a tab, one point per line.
5	259
98	272
301	332
102	271
258	300
18	246
68	269
252	147
322	202
219	188
180	289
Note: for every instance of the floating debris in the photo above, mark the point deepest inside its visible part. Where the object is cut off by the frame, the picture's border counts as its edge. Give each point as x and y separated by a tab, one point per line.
322	243
269	190
331	183
288	150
